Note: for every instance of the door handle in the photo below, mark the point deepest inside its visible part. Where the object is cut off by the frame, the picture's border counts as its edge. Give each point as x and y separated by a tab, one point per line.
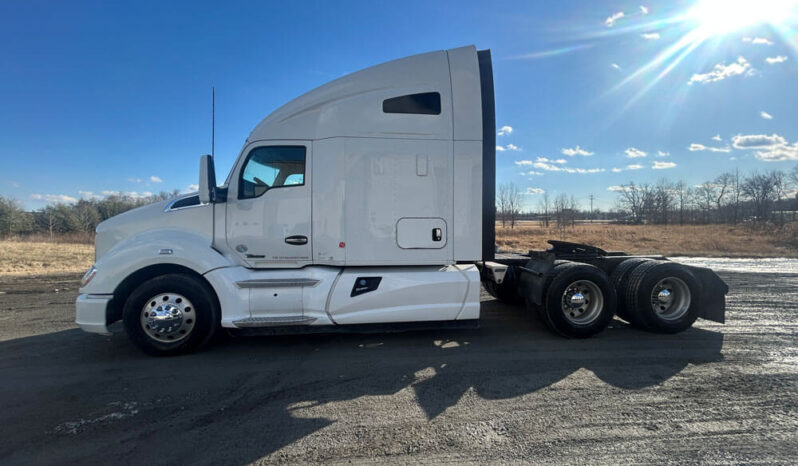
297	240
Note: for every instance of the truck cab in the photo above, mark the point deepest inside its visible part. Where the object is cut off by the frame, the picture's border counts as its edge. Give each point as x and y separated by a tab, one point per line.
359	202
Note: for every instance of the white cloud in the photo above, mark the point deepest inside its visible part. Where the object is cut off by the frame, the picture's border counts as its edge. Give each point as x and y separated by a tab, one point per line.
695	147
134	180
533	172
610	22
89	195
505	130
522	163
777	59
643	9
773	148
14	184
779	153
131	194
499	148
662	165
765	115
575	151
758	40
193	188
54	198
156	179
615	65
650	36
534	191
757	141
617	188
545	160
633	153
559	168
634	166
510	147
722	71
717	138
662	153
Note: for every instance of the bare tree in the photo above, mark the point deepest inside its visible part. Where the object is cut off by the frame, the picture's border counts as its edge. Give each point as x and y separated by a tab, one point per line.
683	194
722	185
637	200
544	205
736	194
779	179
503	203
706	194
760	190
514	201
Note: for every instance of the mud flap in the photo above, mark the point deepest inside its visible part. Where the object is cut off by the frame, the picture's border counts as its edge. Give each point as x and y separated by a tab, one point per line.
713	295
532	280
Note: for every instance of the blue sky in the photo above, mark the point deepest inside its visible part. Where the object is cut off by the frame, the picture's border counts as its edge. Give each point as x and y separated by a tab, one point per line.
100	97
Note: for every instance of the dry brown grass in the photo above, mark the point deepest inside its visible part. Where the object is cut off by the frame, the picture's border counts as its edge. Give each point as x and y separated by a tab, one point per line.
30	257
673	240
43	258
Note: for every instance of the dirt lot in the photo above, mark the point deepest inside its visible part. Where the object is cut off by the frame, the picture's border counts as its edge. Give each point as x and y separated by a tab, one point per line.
509	391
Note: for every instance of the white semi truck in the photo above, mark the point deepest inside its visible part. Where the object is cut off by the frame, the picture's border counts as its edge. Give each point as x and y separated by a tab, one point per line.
367	203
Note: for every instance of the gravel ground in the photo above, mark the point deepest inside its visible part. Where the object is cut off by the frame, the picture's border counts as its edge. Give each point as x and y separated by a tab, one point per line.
508	392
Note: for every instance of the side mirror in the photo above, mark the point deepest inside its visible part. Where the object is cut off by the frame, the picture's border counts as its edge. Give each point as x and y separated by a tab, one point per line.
207	180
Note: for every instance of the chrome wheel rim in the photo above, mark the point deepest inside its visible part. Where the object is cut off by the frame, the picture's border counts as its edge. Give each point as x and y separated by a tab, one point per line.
670	298
168	317
582	302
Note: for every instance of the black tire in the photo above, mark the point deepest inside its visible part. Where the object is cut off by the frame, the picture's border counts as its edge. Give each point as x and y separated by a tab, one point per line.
639	299
561	279
620	280
507	291
203	315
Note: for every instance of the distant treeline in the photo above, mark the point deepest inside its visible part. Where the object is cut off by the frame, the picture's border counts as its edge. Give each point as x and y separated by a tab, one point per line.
732	197
81	217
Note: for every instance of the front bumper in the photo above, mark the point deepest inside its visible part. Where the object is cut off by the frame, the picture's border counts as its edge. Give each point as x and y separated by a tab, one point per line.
91	312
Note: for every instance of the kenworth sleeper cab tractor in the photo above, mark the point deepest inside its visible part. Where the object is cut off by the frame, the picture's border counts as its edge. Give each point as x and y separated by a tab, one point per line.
367	202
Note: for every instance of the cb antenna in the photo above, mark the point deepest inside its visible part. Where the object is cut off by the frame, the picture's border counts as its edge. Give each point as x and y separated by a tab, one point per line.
213	120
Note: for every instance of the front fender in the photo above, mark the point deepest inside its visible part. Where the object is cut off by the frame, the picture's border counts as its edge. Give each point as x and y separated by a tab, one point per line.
166	246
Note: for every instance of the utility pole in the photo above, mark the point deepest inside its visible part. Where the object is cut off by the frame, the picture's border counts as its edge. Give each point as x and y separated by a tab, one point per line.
591	197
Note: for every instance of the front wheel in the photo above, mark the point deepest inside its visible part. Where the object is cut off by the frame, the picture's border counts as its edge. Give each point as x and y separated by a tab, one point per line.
171	314
580	301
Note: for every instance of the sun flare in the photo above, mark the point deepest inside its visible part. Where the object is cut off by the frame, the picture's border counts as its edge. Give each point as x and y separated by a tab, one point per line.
718	17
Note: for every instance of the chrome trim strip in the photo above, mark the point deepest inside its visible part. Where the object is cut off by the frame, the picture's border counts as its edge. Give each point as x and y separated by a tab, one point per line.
277	283
273	321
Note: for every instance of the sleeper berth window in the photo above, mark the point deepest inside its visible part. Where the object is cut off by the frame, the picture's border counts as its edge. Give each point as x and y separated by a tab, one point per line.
427	103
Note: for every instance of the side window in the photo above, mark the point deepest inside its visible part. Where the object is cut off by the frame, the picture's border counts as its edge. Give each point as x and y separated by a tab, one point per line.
271	167
428	103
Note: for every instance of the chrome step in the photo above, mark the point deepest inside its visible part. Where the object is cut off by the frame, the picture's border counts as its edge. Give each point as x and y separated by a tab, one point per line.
273	321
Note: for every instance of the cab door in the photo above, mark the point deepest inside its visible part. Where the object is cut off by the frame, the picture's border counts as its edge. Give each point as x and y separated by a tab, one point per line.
268	216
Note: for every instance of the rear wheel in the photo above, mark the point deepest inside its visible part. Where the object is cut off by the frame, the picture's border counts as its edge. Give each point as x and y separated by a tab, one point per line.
579	300
663	296
171	314
620	279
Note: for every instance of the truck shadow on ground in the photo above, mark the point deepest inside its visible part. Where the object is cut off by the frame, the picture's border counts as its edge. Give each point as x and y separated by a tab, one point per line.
243	399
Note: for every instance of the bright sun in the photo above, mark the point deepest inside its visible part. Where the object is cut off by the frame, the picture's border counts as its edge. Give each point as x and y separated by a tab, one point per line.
717	17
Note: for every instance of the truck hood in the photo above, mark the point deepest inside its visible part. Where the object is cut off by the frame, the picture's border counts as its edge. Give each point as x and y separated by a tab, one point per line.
182	213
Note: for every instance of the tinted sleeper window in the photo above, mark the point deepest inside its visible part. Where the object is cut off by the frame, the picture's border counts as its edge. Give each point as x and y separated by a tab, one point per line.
428	103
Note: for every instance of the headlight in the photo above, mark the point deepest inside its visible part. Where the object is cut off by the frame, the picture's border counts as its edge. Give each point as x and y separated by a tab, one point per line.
88	276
